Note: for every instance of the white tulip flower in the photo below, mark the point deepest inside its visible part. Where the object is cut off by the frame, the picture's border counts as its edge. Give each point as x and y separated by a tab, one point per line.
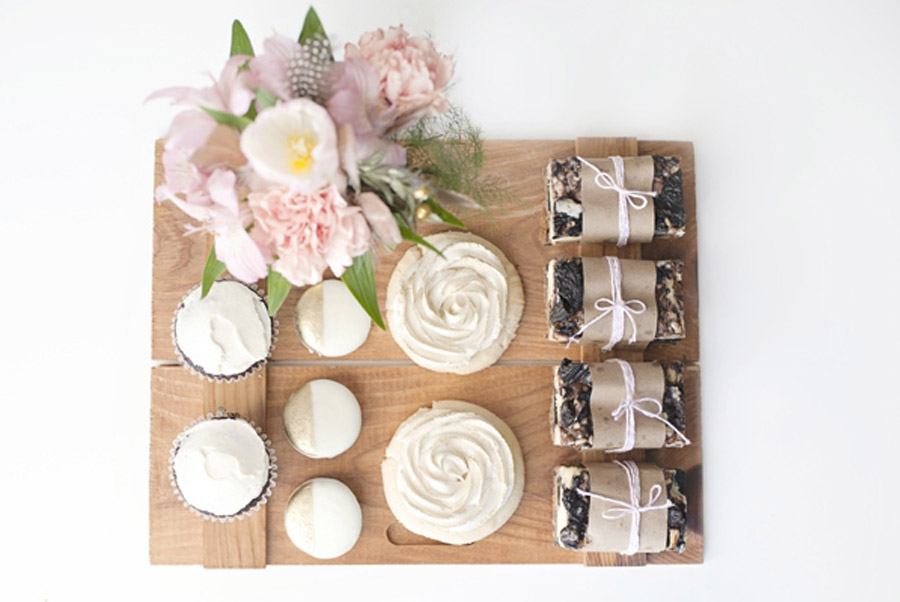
294	144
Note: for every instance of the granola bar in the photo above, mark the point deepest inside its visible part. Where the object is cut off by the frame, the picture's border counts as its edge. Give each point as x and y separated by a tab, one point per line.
572	422
565	299
564	199
571	516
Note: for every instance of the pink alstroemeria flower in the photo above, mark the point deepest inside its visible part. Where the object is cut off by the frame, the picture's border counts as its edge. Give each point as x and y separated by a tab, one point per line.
212	199
201	163
231	93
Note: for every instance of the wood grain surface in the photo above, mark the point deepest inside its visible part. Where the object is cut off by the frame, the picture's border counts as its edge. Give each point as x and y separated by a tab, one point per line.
390	387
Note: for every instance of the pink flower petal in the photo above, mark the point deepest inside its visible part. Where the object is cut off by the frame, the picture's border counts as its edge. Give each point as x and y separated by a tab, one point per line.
221	189
380	218
240	254
309	231
270	69
190	130
347	153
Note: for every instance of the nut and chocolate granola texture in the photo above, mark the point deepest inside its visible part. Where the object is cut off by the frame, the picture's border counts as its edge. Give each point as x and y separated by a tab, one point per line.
564	221
572	421
571	516
565	299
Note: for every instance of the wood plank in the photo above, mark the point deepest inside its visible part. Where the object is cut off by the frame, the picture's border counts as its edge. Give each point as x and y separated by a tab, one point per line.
388	394
238	544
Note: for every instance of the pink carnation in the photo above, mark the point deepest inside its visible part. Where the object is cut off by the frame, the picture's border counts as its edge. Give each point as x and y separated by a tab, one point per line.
309	232
412	75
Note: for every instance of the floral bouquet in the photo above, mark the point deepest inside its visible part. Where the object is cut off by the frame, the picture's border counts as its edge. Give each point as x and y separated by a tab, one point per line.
297	163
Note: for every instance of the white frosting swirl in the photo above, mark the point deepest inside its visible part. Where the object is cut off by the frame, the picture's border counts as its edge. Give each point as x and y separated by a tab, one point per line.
225	333
220	466
457	312
451	475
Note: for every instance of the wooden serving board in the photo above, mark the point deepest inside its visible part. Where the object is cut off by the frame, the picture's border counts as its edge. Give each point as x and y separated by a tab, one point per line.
390	388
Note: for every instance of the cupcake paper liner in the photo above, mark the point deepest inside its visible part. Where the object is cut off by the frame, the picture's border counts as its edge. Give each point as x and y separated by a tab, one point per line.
254	505
196	370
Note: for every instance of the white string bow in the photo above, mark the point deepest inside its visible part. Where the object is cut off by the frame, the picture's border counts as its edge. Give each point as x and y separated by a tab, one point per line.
648	406
632	507
615	306
635	198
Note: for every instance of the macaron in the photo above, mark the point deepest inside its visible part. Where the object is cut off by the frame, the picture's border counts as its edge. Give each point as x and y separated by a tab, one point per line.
323	518
330	321
322	419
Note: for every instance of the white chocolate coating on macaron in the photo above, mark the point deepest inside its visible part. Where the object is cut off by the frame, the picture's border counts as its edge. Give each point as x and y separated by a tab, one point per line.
221	466
226	332
322	419
330	321
323	518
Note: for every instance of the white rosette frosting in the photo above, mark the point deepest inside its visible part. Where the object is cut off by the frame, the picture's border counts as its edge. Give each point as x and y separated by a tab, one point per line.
458	312
453	472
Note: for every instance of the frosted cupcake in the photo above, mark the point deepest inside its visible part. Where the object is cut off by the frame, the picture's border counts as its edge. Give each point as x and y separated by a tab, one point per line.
222	467
225	336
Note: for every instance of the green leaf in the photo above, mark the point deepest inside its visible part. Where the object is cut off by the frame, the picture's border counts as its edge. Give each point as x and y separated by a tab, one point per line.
264	100
277	290
240	41
234	121
360	280
211	272
407	233
312	28
444	215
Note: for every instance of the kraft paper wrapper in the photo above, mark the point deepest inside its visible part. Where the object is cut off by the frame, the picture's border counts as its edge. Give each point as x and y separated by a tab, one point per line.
608	391
606	535
600	207
638	282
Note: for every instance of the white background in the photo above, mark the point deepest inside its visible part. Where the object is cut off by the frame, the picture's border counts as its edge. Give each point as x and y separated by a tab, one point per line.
793	107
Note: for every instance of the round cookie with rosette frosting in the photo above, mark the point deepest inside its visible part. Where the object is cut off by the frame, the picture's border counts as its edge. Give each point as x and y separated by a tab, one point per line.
458	312
453	472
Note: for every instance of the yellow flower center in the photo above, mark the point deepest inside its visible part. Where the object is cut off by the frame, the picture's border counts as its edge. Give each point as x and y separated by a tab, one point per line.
300	150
